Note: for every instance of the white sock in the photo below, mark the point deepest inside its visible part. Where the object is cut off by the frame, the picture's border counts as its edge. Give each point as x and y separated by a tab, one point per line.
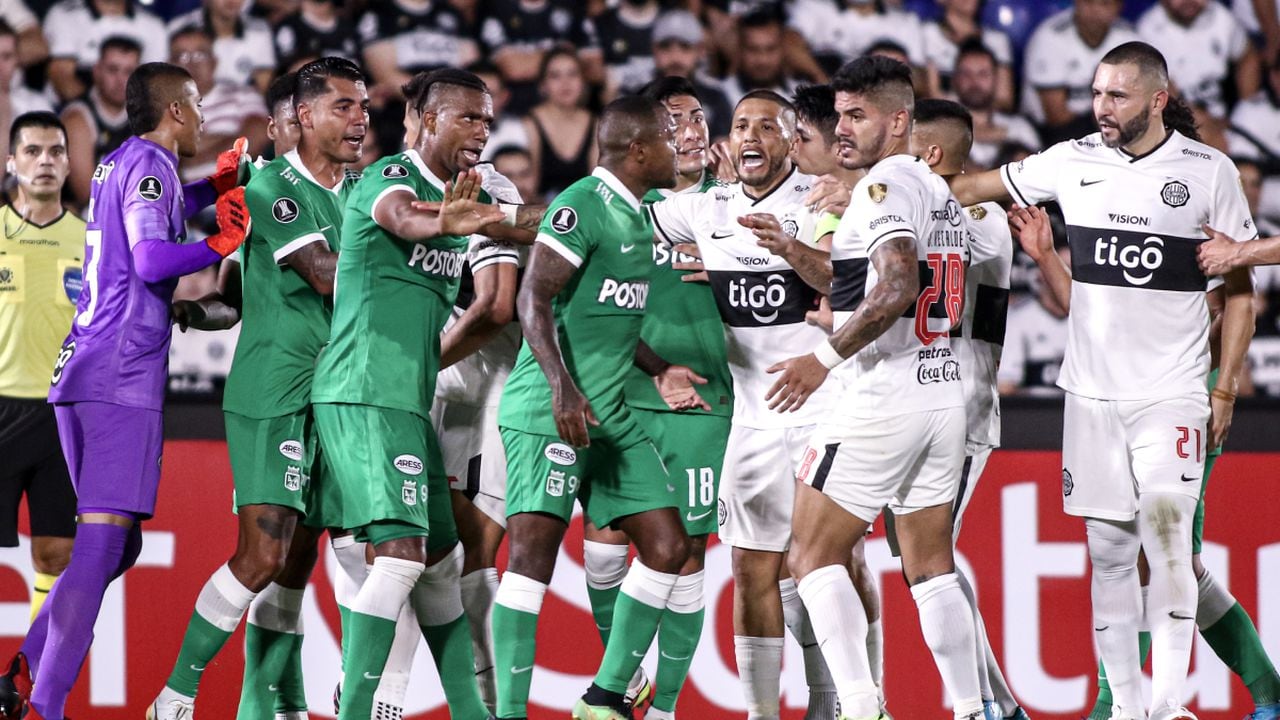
875	653
654	713
979	636
605	564
278	608
946	621
840	625
520	593
223	600
388	699
387	588
822	689
648	586
760	668
1164	523
1213	601
351	556
437	597
1117	608
478	590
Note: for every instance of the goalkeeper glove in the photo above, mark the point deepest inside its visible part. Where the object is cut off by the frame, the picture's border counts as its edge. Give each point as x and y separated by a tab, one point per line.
233	167
234	223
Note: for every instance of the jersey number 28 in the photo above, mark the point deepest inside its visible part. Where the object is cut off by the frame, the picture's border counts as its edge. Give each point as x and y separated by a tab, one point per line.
941	294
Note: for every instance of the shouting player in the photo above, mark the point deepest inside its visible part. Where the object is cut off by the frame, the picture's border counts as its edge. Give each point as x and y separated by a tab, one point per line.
287	275
108	383
1134	431
897	437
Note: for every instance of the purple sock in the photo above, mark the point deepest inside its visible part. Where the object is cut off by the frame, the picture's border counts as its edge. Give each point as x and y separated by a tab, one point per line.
95	559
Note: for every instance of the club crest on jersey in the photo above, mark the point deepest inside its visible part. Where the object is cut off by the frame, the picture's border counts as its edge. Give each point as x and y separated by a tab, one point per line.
977	212
1175	193
284	210
293	478
722	511
409	493
150	189
555	483
791	227
1067	484
393	170
878	192
564	220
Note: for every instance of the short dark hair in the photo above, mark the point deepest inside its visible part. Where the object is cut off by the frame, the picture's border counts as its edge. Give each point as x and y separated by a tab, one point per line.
877	76
559	50
280	92
312	79
665	88
816	104
189	29
119	43
7	29
769	95
146	94
930	110
975	46
418	90
761	17
40	119
1149	60
626	120
484	66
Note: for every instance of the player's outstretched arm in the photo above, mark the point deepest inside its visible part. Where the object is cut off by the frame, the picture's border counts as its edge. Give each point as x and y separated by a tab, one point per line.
812	264
1034	233
545	276
897	267
492	308
519	224
1221	254
1237	330
461	212
675	383
974	188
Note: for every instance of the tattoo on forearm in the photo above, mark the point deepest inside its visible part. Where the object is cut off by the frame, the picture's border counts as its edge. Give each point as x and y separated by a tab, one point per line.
897	267
529	217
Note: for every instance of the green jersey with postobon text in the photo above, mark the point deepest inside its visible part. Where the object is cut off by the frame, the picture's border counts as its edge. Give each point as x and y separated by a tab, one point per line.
283	322
600	227
391	298
682	325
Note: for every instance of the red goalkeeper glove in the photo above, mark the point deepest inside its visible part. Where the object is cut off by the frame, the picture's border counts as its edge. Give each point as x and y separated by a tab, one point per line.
233	223
233	167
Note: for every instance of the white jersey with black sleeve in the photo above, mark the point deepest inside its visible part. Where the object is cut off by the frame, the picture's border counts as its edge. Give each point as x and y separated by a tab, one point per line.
911	367
979	341
1139	324
761	298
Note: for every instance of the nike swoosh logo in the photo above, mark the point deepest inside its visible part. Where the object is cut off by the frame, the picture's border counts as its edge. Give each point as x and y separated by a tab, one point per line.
626	248
691	518
670	657
720	236
1087	183
199	668
1104	627
273	688
671	488
370	676
326	227
603	628
517	670
636	653
1174	614
1187	479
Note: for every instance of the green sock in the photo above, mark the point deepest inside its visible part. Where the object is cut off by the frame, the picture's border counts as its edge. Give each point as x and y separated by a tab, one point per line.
344	620
514	649
266	653
1102	708
636	624
451	648
603	603
1235	640
678	637
293	689
366	657
199	646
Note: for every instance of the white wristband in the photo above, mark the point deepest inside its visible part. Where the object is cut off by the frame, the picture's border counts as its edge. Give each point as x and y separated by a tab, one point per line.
827	355
509	210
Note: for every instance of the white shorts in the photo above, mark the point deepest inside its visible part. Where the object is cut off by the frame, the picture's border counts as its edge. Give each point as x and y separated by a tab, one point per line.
905	462
974	463
758	486
474	458
1114	450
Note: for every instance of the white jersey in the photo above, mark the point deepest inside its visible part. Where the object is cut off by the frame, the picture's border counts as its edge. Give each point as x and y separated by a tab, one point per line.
1139	324
1058	58
478	379
1200	54
762	300
1035	342
911	367
986	309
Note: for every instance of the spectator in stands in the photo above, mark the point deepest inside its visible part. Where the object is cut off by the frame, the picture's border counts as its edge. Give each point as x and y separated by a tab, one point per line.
318	29
943	38
246	53
679	50
405	37
32	46
518	34
724	24
1255	122
1204	45
976	82
230	110
15	98
76	30
1059	63
626	40
507	129
840	30
517	165
98	123
1035	342
760	58
561	131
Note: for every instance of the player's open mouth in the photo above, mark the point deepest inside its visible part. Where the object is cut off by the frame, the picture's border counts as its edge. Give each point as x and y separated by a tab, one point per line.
472	156
751	159
692	152
354	140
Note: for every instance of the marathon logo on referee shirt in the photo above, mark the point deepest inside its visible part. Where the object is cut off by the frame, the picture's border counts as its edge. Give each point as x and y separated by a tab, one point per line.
433	261
1125	258
624	295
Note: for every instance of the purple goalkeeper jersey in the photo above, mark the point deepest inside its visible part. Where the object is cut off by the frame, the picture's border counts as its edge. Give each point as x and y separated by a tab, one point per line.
118	349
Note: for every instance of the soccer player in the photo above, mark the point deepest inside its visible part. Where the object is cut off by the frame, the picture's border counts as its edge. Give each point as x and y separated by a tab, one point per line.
108	381
1137	363
399	270
581	307
42	247
287	274
764	281
941	135
896	439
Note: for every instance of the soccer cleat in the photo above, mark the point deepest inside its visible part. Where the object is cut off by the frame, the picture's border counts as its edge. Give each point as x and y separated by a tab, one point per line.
881	716
1171	712
292	715
583	711
639	691
172	708
1018	714
990	710
337	697
1265	712
15	688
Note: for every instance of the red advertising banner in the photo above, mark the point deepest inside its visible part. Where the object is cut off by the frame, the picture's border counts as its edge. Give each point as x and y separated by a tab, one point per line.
1027	561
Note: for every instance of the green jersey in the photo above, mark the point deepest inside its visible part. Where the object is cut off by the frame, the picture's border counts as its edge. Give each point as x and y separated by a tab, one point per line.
391	298
600	227
682	326
283	322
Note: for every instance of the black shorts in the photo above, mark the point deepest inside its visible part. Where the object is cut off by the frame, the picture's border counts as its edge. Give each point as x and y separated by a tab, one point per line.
33	464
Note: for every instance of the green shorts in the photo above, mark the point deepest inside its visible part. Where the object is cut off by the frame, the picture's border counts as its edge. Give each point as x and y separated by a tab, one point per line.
692	447
545	475
380	465
272	459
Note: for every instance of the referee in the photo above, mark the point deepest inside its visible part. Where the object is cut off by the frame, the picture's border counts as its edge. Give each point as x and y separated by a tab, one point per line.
40	277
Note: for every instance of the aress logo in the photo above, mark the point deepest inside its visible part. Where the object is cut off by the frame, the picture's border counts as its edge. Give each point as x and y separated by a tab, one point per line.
1138	262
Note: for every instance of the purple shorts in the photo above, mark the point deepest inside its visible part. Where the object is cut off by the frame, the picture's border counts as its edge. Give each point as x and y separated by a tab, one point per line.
113	454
